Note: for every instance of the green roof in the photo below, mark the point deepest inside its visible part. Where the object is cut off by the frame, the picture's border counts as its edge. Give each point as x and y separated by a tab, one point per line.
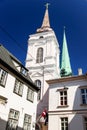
65	61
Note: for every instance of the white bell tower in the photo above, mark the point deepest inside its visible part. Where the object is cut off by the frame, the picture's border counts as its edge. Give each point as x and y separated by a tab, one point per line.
42	59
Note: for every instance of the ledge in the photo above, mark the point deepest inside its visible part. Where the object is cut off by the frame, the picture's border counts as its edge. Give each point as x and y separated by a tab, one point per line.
85	105
63	106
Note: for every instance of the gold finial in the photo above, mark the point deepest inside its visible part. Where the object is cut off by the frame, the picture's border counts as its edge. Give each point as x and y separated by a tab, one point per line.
47	4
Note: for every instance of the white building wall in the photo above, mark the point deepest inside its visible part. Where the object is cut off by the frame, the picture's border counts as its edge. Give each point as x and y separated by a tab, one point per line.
53	122
75	111
49	68
51	51
74	99
75	121
16	102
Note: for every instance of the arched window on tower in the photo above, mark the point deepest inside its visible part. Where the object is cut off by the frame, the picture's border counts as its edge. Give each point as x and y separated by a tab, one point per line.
39	57
38	83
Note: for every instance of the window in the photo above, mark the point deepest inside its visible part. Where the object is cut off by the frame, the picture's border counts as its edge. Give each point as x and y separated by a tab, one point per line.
3	100
85	123
63	98
12	120
24	71
3	77
38	83
84	95
30	95
39	57
18	87
64	123
27	122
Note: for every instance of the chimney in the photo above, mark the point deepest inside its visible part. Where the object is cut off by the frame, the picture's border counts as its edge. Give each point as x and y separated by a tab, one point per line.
80	71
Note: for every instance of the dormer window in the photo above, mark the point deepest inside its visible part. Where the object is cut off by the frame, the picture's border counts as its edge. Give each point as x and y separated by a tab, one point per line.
17	65
24	71
20	68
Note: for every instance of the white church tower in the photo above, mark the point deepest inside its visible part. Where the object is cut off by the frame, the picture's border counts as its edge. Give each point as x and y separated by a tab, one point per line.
42	59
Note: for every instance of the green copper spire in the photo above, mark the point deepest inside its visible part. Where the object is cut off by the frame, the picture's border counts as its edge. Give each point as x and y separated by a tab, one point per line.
65	62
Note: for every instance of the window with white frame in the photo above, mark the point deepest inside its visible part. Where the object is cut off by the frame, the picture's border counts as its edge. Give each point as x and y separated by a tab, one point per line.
85	123
27	122
3	77
38	83
63	98
64	123
18	87
12	120
30	95
39	57
84	95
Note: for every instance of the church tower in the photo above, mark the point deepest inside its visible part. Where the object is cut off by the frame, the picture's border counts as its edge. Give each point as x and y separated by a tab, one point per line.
42	59
65	61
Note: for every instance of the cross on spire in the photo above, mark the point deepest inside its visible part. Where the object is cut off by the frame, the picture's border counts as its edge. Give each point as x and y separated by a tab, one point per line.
45	23
47	4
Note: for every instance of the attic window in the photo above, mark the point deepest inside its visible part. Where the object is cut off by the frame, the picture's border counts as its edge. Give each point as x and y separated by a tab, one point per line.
17	65
41	37
24	71
3	100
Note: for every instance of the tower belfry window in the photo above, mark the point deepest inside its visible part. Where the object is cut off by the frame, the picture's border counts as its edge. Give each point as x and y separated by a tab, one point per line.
39	57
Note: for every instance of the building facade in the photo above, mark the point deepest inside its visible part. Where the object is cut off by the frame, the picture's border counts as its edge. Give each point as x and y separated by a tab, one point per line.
68	103
18	94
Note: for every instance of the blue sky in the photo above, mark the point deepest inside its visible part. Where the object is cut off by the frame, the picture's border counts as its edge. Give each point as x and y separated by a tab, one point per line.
21	18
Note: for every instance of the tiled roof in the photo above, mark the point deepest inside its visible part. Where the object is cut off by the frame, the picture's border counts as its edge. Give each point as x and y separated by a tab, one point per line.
8	58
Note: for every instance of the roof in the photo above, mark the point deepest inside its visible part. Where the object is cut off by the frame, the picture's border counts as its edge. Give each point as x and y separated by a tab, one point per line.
46	22
67	79
65	62
6	58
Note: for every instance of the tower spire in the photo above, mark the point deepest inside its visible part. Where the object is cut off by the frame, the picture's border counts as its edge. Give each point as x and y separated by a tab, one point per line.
46	23
65	62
